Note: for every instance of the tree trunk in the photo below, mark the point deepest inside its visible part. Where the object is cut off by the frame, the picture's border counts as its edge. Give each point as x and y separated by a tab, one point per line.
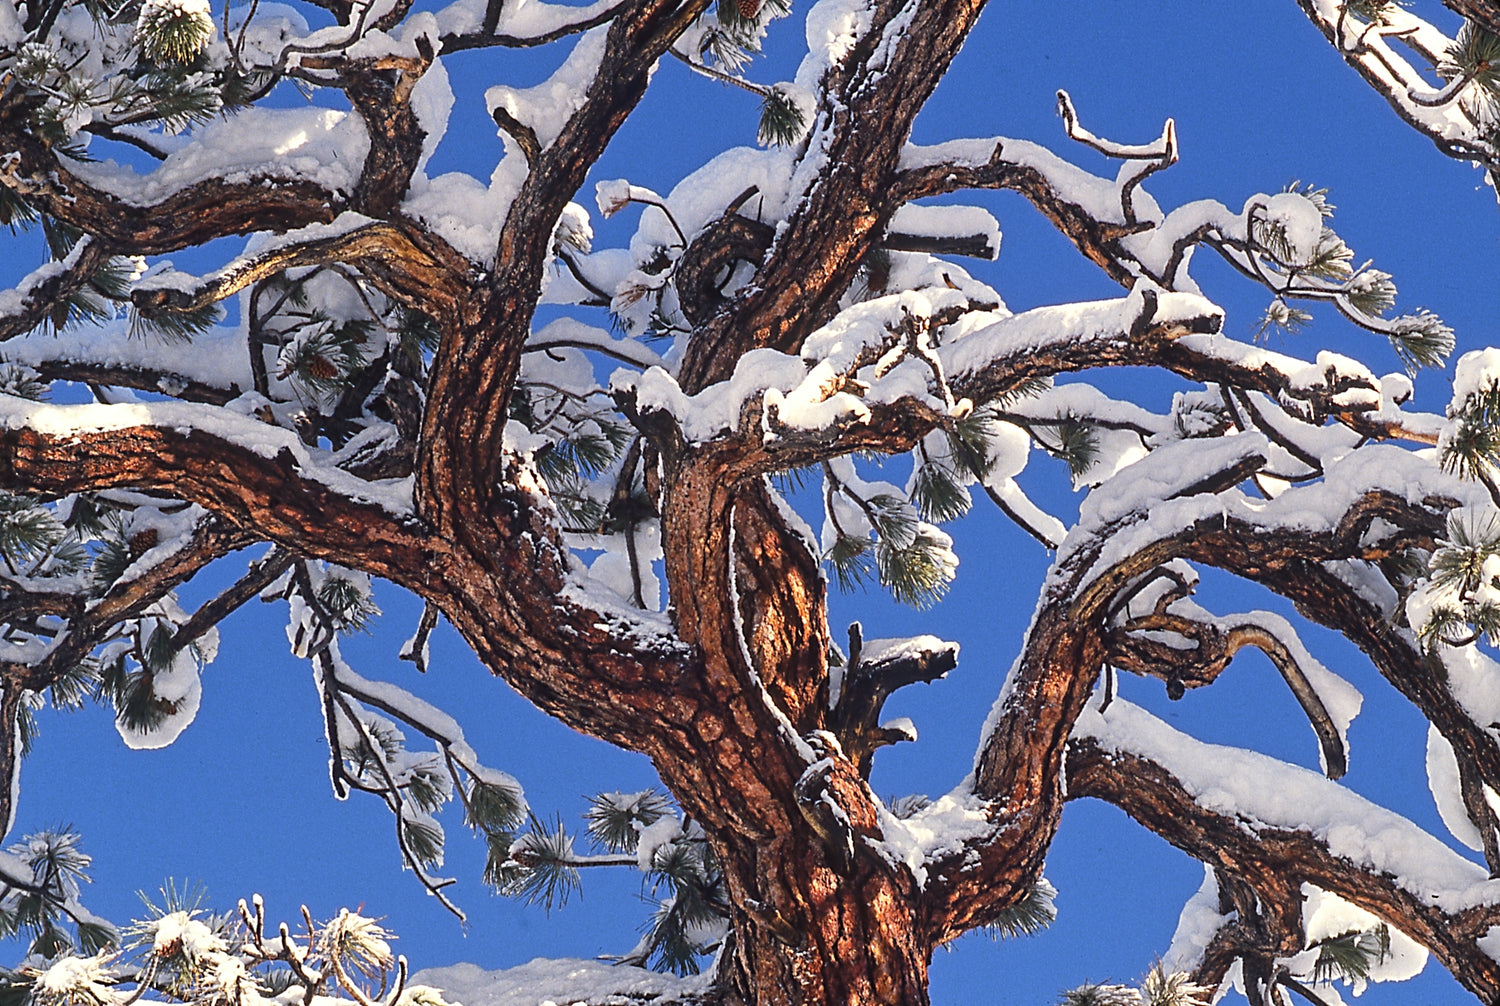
834	941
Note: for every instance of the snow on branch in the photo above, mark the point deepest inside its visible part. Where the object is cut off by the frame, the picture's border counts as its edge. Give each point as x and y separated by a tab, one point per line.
350	237
1278	826
585	983
1280	241
45	290
1460	115
1177	641
874	669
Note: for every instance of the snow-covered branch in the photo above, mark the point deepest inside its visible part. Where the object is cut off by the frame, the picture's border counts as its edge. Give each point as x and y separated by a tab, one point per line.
40	295
274	487
1458	120
403	264
1277	827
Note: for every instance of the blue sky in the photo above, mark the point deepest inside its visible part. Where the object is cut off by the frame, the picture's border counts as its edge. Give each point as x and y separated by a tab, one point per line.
241	802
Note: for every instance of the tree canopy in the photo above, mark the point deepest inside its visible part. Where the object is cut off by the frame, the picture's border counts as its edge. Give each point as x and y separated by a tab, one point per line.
630	467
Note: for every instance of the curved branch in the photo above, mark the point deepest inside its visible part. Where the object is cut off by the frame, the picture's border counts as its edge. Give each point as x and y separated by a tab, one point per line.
407	262
476	367
1277	859
886	77
192	215
259	478
37	296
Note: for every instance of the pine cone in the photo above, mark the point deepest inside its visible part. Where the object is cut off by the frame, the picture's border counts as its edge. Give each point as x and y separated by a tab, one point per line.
749	9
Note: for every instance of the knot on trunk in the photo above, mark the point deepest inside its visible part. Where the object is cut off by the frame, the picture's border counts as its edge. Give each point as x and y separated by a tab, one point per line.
870	678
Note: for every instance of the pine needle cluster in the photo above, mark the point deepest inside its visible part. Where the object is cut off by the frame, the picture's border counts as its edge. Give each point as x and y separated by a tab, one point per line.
542	867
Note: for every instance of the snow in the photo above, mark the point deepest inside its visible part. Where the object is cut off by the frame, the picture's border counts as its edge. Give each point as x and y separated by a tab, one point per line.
320	145
1447	794
179	932
187	418
661	832
559	982
1325	915
520	18
1476	372
941	828
876	651
180	689
1197	925
1294	218
547	106
12	32
948	221
1264	793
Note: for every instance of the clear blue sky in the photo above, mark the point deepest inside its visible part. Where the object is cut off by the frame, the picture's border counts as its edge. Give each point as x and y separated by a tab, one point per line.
241	802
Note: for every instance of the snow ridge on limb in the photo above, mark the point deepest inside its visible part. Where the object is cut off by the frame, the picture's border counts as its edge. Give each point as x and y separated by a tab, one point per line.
1280	241
1458	115
1314	831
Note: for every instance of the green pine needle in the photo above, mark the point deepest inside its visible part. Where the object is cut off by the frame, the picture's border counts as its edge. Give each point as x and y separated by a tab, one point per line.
918	574
424	840
1421	339
1100	995
172	33
1475	56
1371	292
417	335
539	867
324	359
156	649
111	561
937	493
15	212
1372	10
1459	562
896	521
1077	445
1351	955
667	946
347	604
494	808
1033	913
429	787
580	512
969	438
615	820
173	326
28	531
782	121
1281	317
75	685
1332	259
851	561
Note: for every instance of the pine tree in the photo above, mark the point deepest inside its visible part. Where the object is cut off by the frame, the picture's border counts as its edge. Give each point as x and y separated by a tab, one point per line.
630	477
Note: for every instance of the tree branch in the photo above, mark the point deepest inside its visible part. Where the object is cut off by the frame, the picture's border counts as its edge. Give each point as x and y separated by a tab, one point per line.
1277	859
